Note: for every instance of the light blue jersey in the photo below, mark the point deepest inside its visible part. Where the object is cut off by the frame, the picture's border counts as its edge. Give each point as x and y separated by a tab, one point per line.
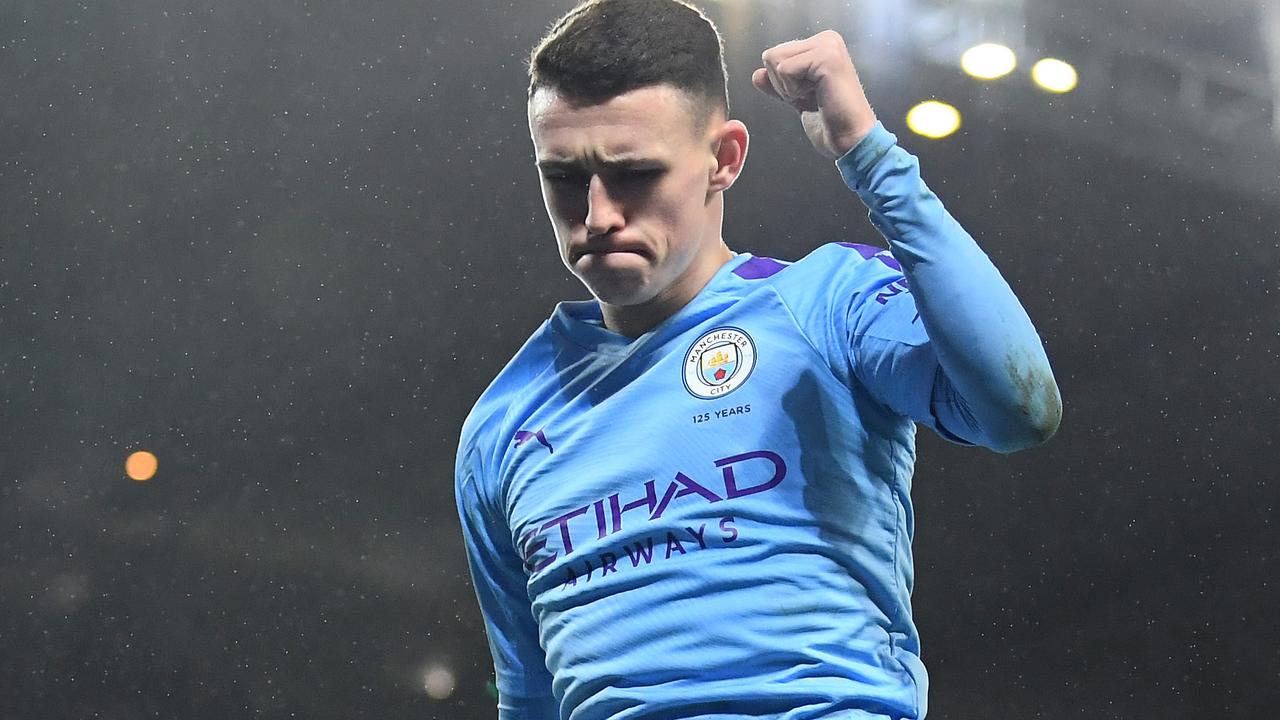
713	520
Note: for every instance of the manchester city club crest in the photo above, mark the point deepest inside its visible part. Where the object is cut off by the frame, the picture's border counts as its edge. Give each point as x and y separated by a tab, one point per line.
719	362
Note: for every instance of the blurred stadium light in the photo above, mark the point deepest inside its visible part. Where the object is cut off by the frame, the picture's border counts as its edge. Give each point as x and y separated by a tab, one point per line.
988	61
1054	75
933	119
1187	85
1191	86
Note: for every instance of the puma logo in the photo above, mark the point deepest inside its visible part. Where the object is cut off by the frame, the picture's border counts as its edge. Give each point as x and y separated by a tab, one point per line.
524	436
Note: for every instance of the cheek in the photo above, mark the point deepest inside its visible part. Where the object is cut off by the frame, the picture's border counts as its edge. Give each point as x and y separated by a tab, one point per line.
684	210
560	207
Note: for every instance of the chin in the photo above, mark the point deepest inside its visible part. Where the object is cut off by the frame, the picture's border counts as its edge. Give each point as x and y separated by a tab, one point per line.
621	291
618	286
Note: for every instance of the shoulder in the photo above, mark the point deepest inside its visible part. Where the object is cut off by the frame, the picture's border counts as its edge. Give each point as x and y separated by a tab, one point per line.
503	401
832	255
842	269
849	255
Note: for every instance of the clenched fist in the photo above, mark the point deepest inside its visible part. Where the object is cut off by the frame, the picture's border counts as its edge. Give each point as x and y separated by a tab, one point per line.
816	76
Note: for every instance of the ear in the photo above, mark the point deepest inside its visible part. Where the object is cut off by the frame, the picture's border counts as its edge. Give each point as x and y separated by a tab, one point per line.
728	154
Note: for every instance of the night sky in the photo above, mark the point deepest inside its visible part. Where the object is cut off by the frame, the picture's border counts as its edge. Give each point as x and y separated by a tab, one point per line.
284	246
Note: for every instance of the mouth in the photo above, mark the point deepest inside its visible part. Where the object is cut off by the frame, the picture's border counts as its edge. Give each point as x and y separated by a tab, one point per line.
610	250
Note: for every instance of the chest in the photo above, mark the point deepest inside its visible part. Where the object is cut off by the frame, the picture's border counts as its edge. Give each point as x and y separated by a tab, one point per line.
712	422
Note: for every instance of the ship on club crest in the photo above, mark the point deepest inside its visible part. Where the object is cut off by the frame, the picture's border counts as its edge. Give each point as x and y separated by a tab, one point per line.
719	362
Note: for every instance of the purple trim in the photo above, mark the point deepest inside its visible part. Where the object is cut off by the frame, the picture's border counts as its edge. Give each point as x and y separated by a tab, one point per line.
871	251
757	268
866	251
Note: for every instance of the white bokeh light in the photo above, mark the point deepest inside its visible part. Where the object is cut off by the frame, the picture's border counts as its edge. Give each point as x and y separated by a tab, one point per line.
438	681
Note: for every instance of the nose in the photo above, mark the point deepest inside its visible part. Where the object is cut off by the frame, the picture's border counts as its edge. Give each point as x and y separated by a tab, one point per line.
603	214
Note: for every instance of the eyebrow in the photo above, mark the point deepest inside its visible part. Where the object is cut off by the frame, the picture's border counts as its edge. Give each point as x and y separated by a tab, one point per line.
625	163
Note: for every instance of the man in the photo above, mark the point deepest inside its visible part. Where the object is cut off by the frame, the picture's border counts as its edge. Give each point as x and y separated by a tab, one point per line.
689	497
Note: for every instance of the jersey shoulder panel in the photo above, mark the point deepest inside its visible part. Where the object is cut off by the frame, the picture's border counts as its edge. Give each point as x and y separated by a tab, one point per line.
826	290
837	271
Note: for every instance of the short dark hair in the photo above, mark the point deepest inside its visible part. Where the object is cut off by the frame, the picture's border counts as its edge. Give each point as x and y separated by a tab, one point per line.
604	48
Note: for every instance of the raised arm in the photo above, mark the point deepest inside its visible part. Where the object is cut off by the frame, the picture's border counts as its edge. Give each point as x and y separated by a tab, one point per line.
995	387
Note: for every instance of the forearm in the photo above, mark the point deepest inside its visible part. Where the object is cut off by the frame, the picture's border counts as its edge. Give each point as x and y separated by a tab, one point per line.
984	341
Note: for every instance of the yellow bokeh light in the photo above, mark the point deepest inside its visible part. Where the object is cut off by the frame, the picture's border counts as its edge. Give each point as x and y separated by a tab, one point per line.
1054	75
988	61
141	466
933	119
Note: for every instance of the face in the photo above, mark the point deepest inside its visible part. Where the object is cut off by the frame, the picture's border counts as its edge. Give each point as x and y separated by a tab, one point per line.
632	189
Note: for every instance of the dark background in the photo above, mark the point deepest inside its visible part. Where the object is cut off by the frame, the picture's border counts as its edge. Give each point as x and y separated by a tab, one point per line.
285	245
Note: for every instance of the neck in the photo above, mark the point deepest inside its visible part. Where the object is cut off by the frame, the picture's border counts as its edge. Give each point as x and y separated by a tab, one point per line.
636	320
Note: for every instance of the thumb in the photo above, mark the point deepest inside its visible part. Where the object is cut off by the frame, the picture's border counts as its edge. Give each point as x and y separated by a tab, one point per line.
760	78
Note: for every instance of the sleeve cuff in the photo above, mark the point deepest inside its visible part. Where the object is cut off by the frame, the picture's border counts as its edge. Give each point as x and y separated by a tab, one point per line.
855	165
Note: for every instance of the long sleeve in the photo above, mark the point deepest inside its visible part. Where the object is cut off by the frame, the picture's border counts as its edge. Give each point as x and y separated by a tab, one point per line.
993	385
524	684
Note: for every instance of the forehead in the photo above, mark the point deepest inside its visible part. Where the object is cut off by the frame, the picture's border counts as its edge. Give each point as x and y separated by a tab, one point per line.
652	120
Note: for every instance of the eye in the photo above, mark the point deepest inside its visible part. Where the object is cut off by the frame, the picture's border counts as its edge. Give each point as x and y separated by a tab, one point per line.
635	178
627	177
566	178
641	175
